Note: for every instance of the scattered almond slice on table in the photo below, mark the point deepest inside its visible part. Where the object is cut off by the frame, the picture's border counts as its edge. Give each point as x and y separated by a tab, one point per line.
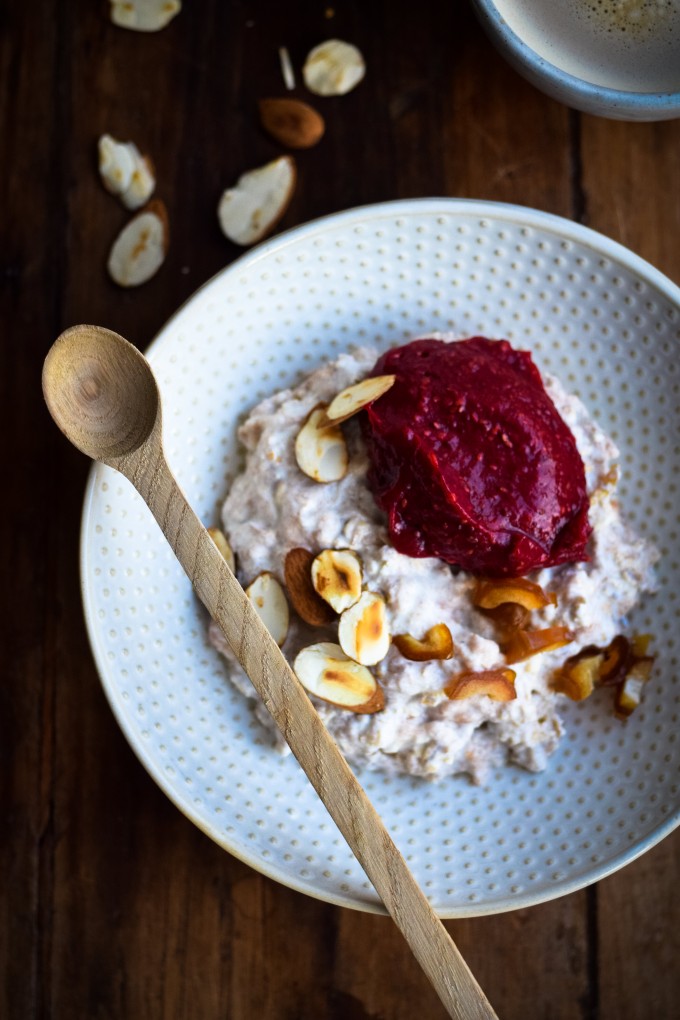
337	578
287	72
140	249
355	398
497	684
436	644
220	540
291	122
333	68
324	670
125	172
363	631
307	603
320	449
270	604
252	208
144	15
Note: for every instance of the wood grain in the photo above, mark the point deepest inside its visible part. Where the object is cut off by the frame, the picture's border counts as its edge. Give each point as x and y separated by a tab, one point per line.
112	905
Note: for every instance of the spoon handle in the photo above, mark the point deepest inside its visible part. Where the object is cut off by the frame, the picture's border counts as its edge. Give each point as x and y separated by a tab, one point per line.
314	748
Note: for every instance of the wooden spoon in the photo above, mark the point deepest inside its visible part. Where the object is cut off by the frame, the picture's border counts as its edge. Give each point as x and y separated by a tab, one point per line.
102	394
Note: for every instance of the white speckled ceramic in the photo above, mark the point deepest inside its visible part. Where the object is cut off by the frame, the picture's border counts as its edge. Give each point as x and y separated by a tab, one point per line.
602	319
552	60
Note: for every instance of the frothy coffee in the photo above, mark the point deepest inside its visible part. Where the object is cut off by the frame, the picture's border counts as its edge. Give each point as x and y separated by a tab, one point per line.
632	45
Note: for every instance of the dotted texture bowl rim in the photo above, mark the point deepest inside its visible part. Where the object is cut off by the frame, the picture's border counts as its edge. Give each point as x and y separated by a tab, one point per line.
560	228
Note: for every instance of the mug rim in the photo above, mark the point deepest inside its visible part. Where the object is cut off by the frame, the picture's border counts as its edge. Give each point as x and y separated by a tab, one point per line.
542	67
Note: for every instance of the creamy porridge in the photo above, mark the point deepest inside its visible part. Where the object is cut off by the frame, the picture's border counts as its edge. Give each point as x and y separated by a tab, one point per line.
273	507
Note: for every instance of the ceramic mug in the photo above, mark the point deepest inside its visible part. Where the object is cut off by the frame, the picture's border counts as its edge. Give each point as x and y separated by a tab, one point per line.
615	58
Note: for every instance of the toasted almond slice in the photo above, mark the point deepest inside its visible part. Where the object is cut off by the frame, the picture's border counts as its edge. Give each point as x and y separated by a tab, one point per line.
291	122
117	161
525	643
629	693
144	15
508	617
579	675
497	684
220	540
287	72
363	631
640	645
142	184
139	250
333	68
270	604
337	577
306	602
252	208
125	172
324	670
321	450
492	593
436	644
353	399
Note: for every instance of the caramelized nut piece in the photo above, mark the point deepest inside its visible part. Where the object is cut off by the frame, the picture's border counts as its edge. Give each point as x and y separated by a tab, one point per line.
509	616
337	577
354	398
629	694
306	602
492	593
324	670
270	604
497	684
320	450
525	643
436	644
363	631
617	660
640	645
220	540
580	674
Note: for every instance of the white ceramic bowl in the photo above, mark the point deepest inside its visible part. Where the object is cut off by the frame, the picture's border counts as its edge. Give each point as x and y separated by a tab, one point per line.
582	64
590	311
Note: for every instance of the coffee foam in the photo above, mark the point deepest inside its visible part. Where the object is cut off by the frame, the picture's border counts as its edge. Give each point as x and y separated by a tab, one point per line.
633	45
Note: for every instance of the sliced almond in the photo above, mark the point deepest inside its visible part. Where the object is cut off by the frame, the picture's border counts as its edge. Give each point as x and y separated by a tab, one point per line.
324	670
291	122
139	250
220	540
306	602
579	675
117	161
144	15
490	594
333	68
337	578
252	208
270	604
436	644
497	684
363	631
321	450
287	72
629	693
617	660
125	172
525	643
353	399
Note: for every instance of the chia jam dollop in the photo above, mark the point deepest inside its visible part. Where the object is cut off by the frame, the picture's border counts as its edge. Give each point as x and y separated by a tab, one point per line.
471	461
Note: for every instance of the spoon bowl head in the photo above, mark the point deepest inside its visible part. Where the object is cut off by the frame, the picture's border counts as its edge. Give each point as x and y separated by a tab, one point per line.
101	392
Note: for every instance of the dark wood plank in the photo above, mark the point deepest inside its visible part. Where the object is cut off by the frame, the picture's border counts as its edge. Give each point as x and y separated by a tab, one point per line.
112	904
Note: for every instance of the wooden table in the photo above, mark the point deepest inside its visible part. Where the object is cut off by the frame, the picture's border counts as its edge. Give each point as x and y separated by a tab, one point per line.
113	904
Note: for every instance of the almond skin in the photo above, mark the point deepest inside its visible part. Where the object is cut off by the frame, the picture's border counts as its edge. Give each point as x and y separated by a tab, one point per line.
298	577
291	122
